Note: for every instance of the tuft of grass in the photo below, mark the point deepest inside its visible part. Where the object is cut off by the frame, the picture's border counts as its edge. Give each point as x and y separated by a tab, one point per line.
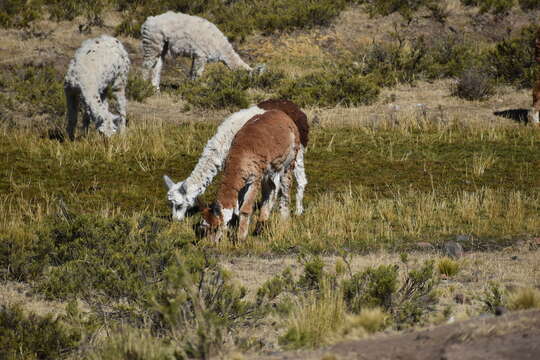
524	298
448	267
316	320
370	319
482	162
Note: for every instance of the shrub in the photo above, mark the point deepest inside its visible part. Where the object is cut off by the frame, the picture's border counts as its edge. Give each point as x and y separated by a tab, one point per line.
37	88
513	61
493	298
199	307
406	8
529	4
523	299
474	84
34	337
493	6
138	89
330	88
371	288
217	89
19	13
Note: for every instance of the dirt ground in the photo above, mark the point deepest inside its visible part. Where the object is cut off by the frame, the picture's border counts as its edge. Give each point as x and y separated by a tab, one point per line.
512	336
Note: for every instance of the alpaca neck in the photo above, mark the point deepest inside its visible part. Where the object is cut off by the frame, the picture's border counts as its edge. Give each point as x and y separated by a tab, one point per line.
216	150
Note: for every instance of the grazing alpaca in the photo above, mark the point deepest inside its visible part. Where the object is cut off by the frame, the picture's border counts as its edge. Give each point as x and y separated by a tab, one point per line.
185	35
262	151
534	113
98	64
183	194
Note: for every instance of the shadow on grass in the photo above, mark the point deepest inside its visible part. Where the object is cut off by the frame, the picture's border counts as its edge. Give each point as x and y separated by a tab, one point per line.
518	115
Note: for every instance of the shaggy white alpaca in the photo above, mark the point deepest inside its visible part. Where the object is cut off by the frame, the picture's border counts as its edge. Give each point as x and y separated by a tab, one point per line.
183	194
185	35
99	63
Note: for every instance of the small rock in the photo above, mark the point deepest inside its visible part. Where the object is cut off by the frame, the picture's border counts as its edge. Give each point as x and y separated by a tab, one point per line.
459	298
515	257
424	245
500	310
453	249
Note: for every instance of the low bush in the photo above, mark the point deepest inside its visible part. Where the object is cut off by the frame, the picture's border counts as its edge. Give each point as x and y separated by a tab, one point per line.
19	13
138	89
494	297
497	7
330	88
31	336
474	84
36	88
512	60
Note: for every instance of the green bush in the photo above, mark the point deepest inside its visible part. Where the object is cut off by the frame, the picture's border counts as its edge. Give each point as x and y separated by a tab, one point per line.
494	297
138	89
82	255
19	13
34	337
371	288
513	60
313	274
217	89
492	6
330	88
36	88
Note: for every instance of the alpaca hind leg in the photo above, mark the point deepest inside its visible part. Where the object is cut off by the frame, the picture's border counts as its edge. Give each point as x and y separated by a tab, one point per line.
72	100
268	199
246	209
284	193
301	181
197	67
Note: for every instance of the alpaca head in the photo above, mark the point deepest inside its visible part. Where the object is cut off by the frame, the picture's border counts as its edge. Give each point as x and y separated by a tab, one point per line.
109	127
180	197
211	224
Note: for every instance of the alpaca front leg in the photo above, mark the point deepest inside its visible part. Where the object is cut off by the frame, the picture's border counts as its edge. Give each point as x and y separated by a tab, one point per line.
120	95
72	100
301	181
197	67
246	209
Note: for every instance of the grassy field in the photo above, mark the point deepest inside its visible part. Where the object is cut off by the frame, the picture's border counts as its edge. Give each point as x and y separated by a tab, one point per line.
90	257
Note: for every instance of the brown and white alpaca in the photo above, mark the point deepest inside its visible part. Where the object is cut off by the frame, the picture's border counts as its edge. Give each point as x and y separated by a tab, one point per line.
534	113
262	152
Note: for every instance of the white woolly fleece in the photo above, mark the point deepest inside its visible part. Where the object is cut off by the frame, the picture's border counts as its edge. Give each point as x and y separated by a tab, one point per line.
98	63
186	35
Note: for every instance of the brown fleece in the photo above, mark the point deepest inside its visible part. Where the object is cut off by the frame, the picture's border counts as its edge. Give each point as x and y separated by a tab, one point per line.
266	141
294	112
536	87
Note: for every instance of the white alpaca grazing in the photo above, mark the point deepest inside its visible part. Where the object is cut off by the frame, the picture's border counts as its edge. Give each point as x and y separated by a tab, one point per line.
183	194
98	64
185	35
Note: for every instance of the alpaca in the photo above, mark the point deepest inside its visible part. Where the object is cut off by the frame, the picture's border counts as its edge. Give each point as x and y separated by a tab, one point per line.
534	113
183	194
185	35
262	151
99	63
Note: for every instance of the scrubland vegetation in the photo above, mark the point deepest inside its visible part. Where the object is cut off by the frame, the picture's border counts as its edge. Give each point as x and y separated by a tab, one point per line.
85	225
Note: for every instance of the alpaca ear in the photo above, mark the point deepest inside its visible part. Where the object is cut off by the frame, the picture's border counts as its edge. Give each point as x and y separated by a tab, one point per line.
168	182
